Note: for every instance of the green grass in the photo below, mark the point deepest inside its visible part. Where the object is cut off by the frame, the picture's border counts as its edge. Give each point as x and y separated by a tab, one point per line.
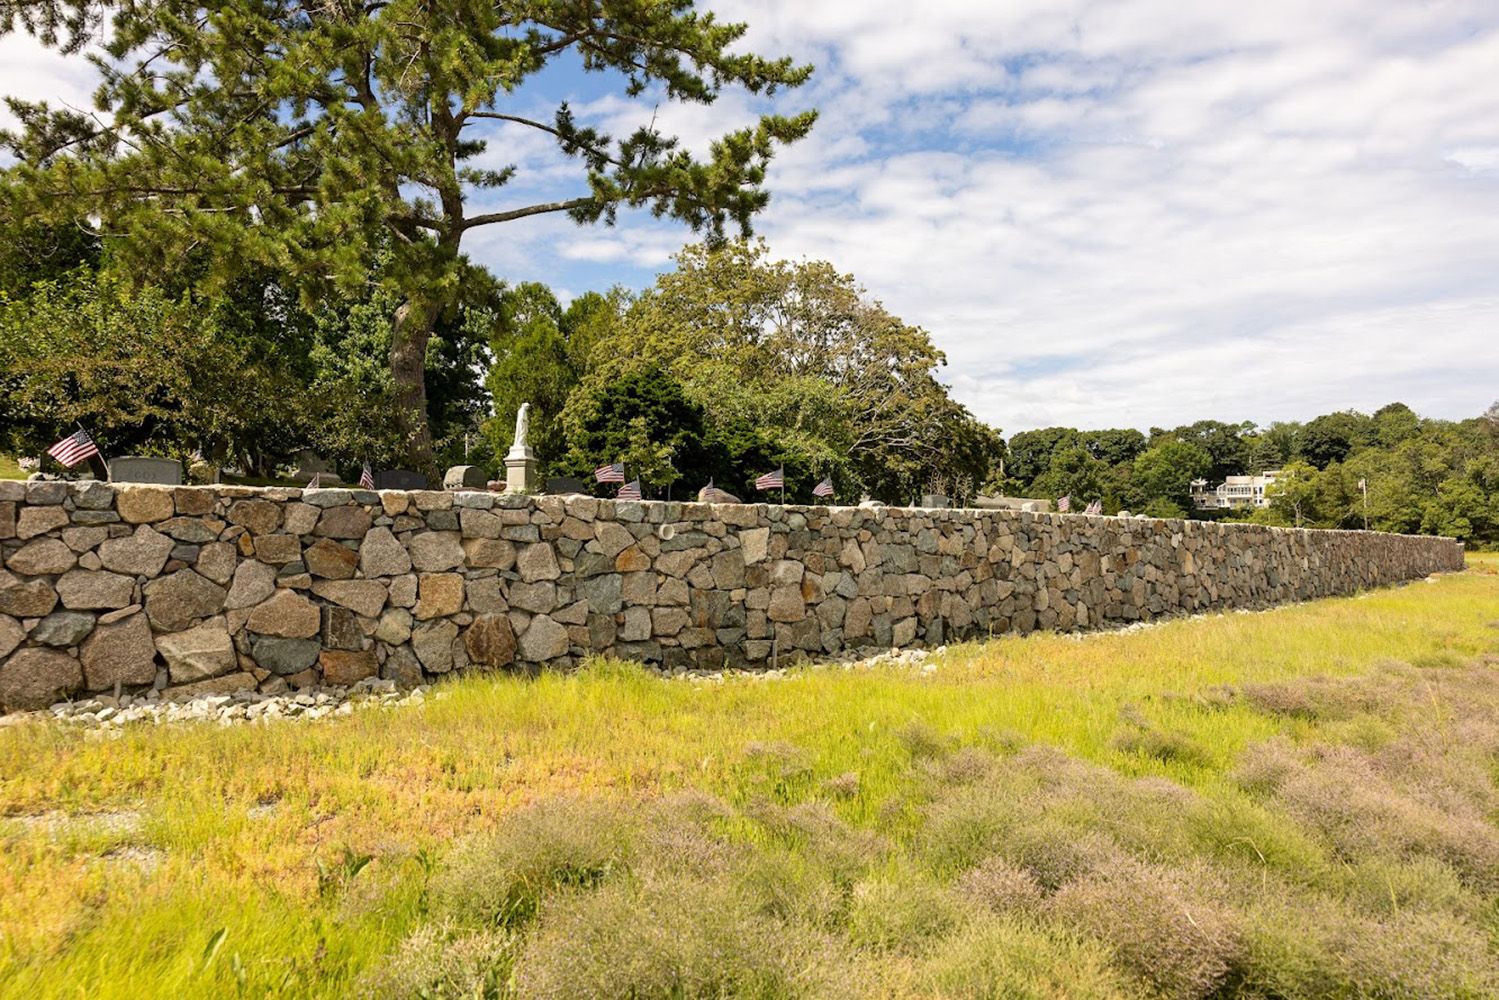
830	833
9	469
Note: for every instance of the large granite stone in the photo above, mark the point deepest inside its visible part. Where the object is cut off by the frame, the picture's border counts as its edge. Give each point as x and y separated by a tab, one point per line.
284	656
537	562
365	597
121	652
286	614
253	583
490	641
543	639
342	667
436	551
343	522
198	653
42	557
142	554
63	628
35	678
433	644
381	554
25	598
175	602
439	595
143	504
39	520
330	560
259	517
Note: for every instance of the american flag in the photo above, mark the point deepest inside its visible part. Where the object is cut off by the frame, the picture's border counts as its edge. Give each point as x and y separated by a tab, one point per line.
772	480
629	491
824	488
1363	484
74	448
367	477
610	473
1065	503
1096	507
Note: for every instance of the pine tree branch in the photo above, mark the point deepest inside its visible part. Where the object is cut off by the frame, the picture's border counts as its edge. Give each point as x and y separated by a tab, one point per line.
520	213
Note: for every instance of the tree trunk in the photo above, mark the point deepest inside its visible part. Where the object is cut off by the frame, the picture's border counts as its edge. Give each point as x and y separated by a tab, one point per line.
413	325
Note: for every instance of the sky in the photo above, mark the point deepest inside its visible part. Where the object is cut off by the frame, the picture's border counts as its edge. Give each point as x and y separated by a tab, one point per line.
1124	213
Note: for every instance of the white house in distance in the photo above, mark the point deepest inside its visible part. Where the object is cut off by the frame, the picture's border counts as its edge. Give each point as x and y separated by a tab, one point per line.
1234	492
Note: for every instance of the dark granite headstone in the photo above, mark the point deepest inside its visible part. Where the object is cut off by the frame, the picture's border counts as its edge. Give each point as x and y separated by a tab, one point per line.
562	485
136	469
400	479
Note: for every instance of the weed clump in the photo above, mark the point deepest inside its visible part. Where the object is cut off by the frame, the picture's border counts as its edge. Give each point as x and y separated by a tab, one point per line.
901	913
499	879
1179	943
1009	958
1001	886
669	937
438	963
1298	947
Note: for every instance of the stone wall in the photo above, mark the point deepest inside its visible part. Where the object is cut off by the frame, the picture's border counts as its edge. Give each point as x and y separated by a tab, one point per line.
216	589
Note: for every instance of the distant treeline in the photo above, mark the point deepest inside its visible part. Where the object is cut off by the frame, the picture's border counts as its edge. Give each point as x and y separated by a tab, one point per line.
1422	475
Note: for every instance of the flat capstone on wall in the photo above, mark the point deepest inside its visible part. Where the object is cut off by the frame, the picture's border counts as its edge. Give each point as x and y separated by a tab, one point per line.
199	590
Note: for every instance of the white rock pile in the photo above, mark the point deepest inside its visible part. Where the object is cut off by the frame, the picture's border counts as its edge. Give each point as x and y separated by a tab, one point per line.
107	712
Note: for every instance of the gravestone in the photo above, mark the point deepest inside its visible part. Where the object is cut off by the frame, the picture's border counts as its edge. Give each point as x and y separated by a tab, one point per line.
399	479
561	485
309	464
138	469
464	477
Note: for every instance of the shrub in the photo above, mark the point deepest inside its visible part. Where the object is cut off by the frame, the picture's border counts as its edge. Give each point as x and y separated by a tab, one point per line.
966	766
921	740
1317	947
669	937
499	878
998	885
843	786
1164	746
1341	792
1011	960
900	912
437	964
1177	941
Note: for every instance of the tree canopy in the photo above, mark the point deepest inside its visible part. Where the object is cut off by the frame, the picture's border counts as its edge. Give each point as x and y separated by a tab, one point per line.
794	364
311	138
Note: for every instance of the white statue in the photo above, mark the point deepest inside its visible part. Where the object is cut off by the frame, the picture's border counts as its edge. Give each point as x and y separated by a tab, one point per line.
522	426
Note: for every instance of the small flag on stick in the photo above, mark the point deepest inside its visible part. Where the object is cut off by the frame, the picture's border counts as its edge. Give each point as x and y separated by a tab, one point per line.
1363	484
772	480
316	481
367	477
824	488
1095	508
629	491
712	494
610	473
74	448
1065	503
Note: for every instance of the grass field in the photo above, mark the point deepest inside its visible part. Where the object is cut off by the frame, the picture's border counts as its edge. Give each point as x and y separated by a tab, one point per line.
9	469
1291	803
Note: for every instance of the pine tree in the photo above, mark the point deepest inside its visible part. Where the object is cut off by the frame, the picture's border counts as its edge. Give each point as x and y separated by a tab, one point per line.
305	134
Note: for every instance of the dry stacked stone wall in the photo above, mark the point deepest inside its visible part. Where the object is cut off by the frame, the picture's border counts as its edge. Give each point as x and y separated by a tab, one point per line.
217	589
